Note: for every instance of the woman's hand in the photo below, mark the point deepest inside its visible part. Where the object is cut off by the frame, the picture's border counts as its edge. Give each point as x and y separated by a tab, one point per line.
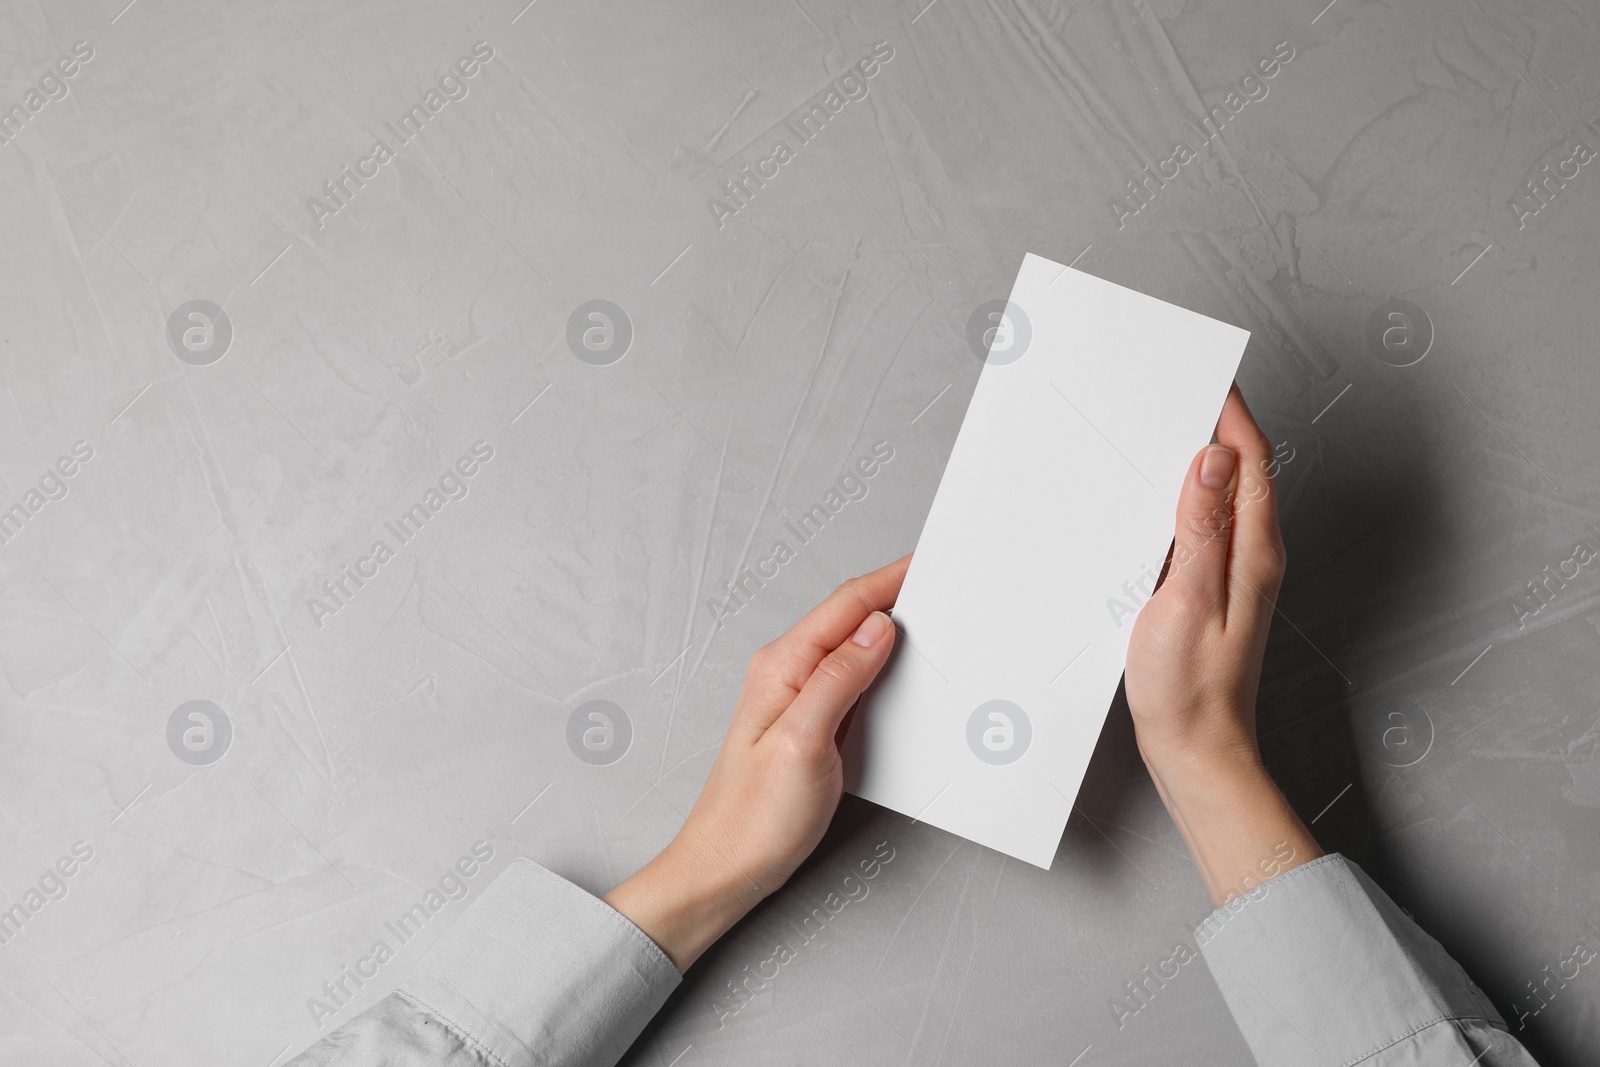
777	780
1194	665
1194	660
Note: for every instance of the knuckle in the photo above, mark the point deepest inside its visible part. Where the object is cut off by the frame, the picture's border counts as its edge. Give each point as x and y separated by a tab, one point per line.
1206	527
1268	565
764	662
792	746
1253	489
1189	604
835	671
850	592
1278	557
1256	442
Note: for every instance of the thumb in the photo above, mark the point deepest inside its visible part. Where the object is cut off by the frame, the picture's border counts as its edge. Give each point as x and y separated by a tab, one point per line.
814	715
1198	572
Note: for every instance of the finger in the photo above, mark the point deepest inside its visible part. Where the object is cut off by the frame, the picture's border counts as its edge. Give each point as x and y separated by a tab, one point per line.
779	671
815	715
824	628
1256	556
1198	570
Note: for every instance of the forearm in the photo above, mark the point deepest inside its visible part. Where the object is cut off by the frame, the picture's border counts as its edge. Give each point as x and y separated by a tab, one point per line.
1240	829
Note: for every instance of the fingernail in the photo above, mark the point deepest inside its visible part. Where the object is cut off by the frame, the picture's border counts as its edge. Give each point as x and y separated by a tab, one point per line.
1217	467
872	630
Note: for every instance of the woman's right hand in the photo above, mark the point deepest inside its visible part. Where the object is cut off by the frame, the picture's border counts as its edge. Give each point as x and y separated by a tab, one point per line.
1194	660
1194	665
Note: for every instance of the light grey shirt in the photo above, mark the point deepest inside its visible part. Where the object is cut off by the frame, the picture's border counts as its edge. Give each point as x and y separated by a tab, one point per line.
1318	966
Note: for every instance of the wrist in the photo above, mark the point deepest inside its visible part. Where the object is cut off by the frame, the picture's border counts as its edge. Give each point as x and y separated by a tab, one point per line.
1187	762
1237	823
682	902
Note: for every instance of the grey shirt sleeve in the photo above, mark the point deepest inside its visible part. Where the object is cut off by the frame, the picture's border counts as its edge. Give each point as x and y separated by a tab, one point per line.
1318	966
1321	969
537	972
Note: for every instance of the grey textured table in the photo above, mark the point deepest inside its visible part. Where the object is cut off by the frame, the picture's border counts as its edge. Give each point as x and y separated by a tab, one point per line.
244	344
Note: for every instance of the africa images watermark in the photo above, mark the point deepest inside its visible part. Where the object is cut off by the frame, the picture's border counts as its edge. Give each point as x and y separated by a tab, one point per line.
1399	333
1140	992
51	886
452	85
1137	591
53	85
1553	982
599	732
199	732
199	332
1540	191
850	486
1143	188
52	485
453	885
852	890
452	485
805	125
1552	579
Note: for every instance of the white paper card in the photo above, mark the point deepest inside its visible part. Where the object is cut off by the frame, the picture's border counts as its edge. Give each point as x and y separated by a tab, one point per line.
1047	532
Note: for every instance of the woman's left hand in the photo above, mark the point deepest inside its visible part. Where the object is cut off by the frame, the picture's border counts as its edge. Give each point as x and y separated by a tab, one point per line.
777	781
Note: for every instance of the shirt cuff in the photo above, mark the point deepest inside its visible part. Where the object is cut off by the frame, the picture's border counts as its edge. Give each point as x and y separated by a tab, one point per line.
1319	967
539	972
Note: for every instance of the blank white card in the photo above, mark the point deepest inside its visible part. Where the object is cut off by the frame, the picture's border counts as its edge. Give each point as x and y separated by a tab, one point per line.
1045	536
